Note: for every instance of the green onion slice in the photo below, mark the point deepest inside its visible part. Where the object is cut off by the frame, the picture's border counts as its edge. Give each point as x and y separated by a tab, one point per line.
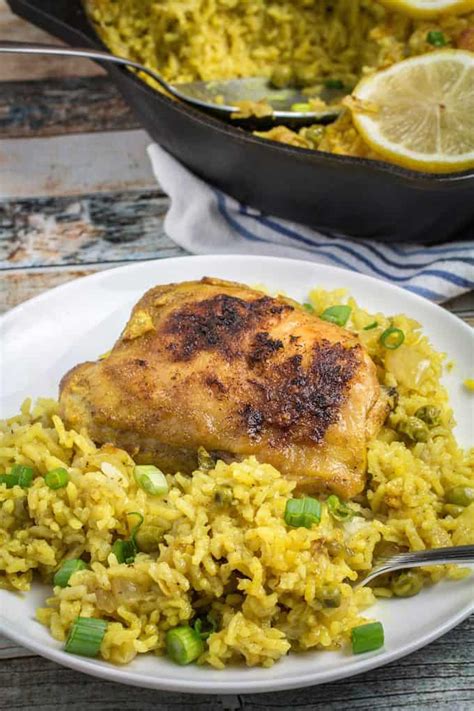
337	314
301	108
338	509
392	338
309	308
85	636
209	624
372	325
133	534
125	550
436	38
56	478
69	567
334	84
183	644
19	475
367	638
151	480
205	461
302	512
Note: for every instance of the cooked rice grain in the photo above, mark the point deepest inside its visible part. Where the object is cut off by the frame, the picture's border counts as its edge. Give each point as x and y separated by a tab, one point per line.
224	39
260	580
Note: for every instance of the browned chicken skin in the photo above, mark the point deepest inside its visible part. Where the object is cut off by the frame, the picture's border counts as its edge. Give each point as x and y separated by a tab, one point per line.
219	365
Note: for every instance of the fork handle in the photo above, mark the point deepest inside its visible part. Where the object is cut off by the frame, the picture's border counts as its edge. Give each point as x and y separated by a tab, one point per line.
97	55
417	559
452	554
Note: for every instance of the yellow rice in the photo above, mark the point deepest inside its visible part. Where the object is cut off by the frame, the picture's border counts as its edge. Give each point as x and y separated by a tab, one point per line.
261	581
221	39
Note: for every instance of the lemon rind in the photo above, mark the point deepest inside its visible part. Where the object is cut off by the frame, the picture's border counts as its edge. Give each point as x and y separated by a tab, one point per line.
368	127
415	9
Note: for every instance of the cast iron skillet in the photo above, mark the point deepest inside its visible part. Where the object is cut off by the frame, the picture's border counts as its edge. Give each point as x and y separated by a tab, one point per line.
361	198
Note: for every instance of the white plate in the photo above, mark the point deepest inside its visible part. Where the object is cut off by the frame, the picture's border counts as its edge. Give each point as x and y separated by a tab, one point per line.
43	338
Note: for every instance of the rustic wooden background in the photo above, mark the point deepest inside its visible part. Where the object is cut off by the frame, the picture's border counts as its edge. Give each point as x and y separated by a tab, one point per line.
76	196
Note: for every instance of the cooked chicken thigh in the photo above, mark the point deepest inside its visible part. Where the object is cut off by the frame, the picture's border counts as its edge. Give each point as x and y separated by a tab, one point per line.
219	365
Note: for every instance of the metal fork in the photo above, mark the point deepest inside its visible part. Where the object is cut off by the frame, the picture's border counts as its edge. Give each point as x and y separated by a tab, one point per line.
202	94
399	561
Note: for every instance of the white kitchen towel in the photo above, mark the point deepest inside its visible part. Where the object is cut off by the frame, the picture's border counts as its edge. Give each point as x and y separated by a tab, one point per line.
204	220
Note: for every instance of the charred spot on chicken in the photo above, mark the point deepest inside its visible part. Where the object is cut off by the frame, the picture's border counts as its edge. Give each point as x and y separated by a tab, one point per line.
220	365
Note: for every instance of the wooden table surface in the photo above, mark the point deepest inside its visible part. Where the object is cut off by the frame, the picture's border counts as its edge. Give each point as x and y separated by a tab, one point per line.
77	196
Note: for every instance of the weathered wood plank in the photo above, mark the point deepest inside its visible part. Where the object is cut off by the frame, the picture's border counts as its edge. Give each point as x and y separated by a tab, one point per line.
60	106
75	164
13	67
18	286
100	228
10	650
442	674
463	306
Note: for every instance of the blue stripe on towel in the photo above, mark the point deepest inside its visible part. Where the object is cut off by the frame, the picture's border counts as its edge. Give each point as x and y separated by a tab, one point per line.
381	250
441	274
251	236
358	253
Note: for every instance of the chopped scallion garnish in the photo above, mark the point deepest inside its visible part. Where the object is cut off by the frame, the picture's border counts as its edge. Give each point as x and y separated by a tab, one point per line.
338	509
205	627
67	569
85	636
367	638
125	550
436	38
392	338
205	461
334	84
133	534
183	644
19	475
151	480
309	308
56	478
372	325
301	108
337	314
302	512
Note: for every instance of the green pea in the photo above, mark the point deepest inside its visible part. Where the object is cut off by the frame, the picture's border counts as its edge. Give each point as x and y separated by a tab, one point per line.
148	538
414	429
281	76
314	134
407	583
460	495
453	510
429	414
305	76
330	596
223	496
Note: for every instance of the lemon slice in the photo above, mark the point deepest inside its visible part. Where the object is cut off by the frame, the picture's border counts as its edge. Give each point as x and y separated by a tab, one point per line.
429	8
419	113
